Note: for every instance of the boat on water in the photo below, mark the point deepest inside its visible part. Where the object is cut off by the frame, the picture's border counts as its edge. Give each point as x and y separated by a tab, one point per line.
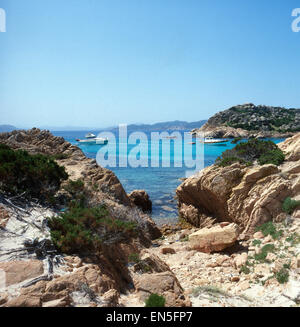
90	136
92	139
211	140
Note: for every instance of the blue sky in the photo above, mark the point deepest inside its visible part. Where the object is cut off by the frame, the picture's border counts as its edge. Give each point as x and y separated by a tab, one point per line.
98	63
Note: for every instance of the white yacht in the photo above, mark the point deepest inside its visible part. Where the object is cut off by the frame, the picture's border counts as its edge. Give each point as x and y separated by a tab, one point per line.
211	140
92	139
90	136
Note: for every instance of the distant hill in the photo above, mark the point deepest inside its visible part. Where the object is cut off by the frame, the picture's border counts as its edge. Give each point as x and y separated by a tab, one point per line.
175	125
7	128
257	118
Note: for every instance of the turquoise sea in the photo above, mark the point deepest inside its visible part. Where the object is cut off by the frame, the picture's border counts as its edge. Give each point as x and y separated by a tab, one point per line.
161	182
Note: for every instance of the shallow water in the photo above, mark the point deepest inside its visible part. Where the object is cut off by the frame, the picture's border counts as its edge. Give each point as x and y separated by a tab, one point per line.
161	182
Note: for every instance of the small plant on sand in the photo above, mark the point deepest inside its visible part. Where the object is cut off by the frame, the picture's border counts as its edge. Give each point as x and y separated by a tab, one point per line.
133	258
245	270
289	205
282	276
256	242
155	301
185	239
264	252
270	229
210	289
294	239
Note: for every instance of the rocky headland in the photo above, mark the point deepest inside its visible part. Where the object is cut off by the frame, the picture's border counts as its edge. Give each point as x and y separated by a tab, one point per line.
249	120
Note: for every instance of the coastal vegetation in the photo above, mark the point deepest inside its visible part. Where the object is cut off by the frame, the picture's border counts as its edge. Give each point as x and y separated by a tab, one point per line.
269	228
254	150
258	118
83	230
155	301
289	205
37	175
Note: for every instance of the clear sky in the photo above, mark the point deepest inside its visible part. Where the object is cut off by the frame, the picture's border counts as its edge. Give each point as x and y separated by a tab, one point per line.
98	63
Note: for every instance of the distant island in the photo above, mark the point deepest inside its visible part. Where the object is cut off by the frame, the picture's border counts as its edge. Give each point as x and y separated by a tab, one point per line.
7	128
251	120
175	125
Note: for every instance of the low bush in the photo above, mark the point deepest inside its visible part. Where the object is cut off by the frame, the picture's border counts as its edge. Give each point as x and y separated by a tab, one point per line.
155	301
264	252
256	242
78	192
133	258
82	230
282	276
245	270
264	152
270	229
289	205
294	239
36	175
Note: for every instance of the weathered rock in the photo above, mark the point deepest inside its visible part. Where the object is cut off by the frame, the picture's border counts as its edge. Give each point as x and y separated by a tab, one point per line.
213	239
24	301
141	199
111	298
247	196
4	217
57	303
292	290
19	271
3	298
258	235
240	260
168	251
165	284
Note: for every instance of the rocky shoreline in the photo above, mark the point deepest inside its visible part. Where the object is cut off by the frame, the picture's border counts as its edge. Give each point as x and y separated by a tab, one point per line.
214	257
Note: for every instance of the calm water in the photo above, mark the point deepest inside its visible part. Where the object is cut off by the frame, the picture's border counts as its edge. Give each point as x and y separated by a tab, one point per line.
160	183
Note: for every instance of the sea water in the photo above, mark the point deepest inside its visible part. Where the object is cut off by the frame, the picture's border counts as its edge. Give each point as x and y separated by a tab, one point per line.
160	183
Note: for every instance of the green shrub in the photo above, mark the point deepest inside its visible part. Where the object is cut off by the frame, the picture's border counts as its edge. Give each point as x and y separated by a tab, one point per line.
265	152
155	301
256	242
269	229
134	258
264	252
289	205
78	192
294	239
36	175
245	270
275	157
82	230
60	156
282	276
228	161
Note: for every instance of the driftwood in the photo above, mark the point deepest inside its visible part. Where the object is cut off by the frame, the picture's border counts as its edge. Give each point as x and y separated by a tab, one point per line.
38	279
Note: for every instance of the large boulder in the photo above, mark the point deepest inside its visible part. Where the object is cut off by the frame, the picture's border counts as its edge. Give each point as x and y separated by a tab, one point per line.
165	284
141	199
247	196
214	239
